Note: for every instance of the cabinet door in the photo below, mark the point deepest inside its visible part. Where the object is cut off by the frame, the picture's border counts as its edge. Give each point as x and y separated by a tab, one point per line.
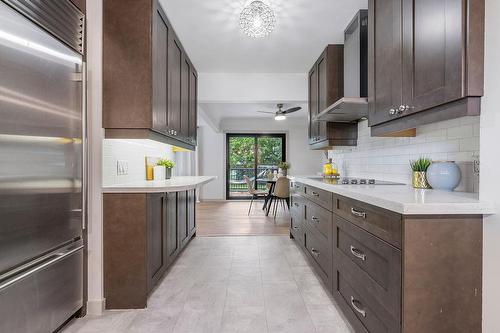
384	67
160	33
173	247
313	104
174	87
182	217
185	76
157	237
193	107
433	48
191	212
322	95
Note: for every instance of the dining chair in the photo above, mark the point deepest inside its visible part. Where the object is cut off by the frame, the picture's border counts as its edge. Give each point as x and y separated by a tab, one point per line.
281	194
253	192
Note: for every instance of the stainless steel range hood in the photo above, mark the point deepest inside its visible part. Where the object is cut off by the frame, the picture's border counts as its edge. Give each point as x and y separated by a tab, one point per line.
354	105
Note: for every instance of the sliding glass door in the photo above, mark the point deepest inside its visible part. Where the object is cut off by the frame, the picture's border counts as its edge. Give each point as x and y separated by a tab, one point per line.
251	155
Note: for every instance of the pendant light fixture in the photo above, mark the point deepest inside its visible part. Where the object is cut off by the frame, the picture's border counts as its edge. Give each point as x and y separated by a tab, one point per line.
257	20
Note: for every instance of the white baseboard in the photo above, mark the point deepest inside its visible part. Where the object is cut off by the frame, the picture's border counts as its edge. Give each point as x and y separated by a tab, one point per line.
96	307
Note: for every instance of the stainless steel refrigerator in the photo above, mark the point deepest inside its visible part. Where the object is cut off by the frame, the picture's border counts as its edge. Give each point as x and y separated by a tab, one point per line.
42	162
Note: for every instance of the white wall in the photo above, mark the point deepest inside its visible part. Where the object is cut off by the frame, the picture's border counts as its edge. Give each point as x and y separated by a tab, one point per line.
133	152
211	162
388	158
252	87
212	149
490	162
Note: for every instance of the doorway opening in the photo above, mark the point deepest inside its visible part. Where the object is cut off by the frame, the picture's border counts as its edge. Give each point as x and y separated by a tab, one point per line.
252	155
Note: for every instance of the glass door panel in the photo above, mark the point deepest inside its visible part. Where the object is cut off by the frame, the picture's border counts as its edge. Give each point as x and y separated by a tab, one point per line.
270	152
240	162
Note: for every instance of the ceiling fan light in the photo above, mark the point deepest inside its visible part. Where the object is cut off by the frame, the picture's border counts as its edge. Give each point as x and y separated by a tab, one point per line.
279	117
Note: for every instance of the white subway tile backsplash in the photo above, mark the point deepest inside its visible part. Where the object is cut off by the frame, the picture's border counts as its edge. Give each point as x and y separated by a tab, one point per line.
133	152
388	158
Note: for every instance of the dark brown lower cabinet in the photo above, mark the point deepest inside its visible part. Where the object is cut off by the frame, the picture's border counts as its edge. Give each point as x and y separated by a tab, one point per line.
157	237
390	272
143	235
173	243
191	209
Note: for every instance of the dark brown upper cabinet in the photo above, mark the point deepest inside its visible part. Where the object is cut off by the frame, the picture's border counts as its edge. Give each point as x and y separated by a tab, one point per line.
326	86
150	84
425	62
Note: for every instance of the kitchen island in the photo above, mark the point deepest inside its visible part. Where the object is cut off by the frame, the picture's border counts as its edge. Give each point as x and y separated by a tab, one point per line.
146	226
394	258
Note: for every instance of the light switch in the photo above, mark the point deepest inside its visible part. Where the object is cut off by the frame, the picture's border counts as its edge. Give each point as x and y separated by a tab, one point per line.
121	168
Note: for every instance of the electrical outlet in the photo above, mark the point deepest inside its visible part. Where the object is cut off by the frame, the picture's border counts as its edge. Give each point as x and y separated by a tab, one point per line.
121	168
476	164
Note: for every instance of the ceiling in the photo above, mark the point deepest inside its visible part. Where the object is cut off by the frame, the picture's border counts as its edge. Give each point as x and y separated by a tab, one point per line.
219	111
209	31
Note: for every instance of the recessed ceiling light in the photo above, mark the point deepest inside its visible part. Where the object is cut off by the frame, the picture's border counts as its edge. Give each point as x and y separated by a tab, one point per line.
279	117
257	20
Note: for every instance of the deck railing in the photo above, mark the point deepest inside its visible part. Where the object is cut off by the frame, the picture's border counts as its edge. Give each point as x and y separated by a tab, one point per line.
237	182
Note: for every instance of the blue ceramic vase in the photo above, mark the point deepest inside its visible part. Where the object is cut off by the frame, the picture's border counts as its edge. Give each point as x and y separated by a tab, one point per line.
444	175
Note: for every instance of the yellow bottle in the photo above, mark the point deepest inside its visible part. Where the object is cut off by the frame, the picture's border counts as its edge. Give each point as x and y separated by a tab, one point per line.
330	169
327	168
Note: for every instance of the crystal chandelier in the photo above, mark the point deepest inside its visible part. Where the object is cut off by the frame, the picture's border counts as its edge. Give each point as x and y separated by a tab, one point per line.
257	20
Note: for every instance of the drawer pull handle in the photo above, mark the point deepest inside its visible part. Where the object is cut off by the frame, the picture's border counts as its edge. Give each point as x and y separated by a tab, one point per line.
296	228
358	310
315	252
358	213
296	204
357	253
315	219
315	194
297	186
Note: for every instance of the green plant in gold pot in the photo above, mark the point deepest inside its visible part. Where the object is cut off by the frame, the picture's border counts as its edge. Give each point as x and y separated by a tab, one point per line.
284	166
419	167
168	164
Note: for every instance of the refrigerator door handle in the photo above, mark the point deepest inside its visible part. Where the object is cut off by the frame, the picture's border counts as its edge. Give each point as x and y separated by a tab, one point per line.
84	146
58	256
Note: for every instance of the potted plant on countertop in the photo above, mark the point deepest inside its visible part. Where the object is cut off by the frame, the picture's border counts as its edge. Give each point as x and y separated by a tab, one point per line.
419	168
284	166
168	164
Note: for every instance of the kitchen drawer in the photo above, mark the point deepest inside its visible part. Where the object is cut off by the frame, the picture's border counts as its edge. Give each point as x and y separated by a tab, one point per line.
321	253
373	263
378	221
320	219
297	205
365	315
320	197
296	188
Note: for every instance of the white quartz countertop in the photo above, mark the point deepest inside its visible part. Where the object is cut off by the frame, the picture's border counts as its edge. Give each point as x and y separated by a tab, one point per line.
404	199
175	184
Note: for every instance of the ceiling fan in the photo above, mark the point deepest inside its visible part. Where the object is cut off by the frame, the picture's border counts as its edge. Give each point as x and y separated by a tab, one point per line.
280	114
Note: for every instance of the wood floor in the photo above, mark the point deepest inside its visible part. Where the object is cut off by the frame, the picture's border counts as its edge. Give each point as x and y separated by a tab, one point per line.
229	218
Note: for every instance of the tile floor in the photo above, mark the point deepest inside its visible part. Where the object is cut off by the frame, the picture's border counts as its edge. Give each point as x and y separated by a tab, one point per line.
231	284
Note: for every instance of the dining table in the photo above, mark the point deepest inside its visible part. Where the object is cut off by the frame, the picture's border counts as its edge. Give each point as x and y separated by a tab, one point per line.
269	197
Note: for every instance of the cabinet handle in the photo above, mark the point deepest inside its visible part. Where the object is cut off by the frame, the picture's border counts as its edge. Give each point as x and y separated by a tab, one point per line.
296	204
297	186
357	213
358	310
315	252
392	112
296	228
315	194
357	253
315	219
